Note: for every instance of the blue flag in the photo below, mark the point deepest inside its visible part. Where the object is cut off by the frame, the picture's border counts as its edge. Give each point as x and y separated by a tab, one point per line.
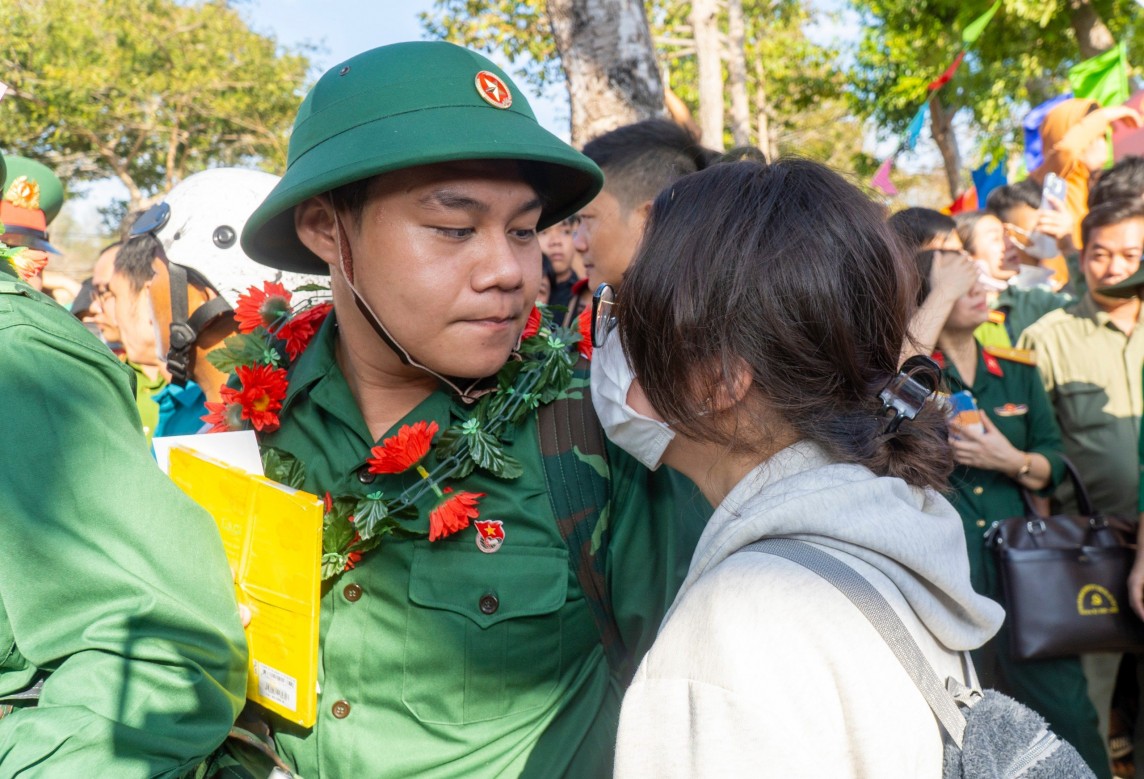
1034	155
916	124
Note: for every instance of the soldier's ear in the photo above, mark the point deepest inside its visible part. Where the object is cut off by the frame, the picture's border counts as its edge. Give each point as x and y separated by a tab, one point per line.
317	228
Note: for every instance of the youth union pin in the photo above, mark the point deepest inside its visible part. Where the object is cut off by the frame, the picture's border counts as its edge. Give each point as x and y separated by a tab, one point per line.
493	89
490	534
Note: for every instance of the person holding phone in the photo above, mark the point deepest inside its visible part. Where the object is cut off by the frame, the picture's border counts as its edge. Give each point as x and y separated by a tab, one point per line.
1074	137
1016	447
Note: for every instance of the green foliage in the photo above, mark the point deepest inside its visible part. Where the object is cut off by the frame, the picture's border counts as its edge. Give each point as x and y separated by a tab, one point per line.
147	91
1020	60
244	349
518	31
803	87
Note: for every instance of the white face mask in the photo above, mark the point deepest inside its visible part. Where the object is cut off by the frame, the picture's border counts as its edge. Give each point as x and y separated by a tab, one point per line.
643	438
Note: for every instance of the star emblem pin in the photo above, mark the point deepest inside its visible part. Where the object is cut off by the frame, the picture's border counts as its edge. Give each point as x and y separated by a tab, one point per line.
493	90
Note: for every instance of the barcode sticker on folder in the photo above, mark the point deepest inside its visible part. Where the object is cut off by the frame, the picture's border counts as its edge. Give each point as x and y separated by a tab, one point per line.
277	686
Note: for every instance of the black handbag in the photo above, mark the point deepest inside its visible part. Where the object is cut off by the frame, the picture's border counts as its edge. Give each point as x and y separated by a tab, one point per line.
1065	580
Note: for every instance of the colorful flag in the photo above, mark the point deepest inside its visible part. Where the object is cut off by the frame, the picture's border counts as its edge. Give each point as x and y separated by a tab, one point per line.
944	78
1104	78
881	180
974	29
916	124
967	201
4	88
987	178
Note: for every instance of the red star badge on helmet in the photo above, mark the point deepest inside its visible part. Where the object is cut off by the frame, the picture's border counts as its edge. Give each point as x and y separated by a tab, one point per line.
493	90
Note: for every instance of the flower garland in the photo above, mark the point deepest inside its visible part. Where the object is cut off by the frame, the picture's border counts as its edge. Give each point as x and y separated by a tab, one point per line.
273	333
26	262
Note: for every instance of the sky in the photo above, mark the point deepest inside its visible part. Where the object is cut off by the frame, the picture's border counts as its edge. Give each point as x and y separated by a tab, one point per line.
339	29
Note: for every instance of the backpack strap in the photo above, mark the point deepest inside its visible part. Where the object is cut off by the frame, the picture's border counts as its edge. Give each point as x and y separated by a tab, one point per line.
576	466
884	619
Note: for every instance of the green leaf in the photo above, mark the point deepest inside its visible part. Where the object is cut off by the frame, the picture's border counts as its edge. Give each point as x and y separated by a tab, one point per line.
369	514
332	564
243	349
338	534
510	468
283	467
312	288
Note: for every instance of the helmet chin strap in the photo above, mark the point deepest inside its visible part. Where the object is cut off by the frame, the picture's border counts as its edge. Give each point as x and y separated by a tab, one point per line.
346	269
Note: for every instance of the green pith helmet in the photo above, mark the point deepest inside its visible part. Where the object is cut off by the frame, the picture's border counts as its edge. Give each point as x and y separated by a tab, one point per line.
30	198
401	106
1129	288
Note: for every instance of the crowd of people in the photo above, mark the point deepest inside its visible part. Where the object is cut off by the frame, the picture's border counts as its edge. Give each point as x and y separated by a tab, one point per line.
578	388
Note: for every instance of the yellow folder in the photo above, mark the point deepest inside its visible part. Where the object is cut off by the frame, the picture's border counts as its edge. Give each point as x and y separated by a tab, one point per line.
273	539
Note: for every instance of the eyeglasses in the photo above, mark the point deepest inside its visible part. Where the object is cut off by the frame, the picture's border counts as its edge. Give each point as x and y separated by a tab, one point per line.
603	314
1018	236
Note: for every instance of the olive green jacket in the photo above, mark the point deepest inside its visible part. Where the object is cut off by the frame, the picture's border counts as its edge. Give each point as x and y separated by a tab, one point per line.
113	584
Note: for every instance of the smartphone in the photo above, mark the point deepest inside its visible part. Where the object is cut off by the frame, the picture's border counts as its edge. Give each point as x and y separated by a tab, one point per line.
964	411
1054	186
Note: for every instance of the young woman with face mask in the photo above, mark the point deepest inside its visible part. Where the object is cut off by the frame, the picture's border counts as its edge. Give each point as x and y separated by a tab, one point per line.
762	319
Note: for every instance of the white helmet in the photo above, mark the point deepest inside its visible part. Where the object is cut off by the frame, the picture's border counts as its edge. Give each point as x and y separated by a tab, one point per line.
207	213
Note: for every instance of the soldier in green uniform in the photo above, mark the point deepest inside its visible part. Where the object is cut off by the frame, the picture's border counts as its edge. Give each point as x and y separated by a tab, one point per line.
121	652
1012	443
470	638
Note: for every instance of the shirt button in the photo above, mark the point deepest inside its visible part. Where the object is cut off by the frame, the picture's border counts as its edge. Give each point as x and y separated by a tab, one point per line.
364	476
978	490
981	523
489	604
352	593
341	709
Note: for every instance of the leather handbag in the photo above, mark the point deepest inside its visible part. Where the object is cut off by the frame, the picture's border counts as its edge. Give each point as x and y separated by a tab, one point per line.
1065	580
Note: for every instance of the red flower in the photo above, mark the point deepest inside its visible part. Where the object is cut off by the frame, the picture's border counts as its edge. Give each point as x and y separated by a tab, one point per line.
28	263
262	307
224	416
399	453
584	322
301	328
352	560
327	503
263	390
454	514
533	325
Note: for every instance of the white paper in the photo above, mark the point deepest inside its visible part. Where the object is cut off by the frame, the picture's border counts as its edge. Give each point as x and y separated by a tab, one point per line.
239	448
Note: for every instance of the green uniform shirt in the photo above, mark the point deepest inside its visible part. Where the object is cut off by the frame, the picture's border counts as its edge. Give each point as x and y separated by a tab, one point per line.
110	578
1091	371
439	660
1012	395
145	389
1023	307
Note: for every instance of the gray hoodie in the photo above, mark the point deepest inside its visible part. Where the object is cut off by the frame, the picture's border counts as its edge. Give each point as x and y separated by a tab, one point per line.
763	668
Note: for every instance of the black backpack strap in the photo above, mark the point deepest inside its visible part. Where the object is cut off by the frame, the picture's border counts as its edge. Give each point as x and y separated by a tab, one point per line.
572	450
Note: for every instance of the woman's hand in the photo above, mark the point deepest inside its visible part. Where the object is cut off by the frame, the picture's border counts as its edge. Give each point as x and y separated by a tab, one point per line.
989	451
1136	576
953	274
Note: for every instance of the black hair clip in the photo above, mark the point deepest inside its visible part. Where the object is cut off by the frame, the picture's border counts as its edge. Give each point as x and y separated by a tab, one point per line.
907	393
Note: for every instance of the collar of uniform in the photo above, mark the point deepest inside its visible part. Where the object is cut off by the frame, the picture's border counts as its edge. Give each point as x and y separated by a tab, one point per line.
317	376
1088	308
186	396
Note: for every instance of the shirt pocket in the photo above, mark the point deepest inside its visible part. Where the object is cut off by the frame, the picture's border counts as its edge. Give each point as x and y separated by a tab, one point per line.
483	638
1081	406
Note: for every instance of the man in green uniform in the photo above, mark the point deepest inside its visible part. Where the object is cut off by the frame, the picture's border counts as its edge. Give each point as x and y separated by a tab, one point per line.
418	178
121	652
1089	357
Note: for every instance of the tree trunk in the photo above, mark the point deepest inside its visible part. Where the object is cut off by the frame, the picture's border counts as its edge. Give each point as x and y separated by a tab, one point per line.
1092	36
766	139
609	64
737	76
942	123
705	29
